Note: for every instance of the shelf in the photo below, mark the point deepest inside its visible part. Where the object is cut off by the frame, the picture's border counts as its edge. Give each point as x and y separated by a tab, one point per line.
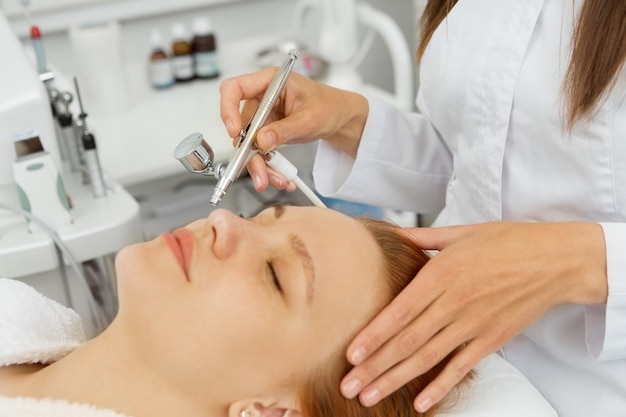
137	144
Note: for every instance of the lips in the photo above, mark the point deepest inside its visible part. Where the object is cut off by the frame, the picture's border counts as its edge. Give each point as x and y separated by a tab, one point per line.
181	242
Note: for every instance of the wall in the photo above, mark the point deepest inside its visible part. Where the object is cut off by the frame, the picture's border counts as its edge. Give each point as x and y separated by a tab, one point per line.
232	19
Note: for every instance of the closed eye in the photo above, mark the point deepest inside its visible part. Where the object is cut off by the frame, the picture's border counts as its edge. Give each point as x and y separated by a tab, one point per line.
275	277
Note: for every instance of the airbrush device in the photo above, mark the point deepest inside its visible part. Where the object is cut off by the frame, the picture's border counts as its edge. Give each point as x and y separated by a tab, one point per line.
197	156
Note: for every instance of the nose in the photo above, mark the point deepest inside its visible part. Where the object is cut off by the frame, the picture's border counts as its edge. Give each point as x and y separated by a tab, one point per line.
229	230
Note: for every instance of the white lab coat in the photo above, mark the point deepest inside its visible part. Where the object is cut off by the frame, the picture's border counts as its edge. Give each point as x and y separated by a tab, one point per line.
487	146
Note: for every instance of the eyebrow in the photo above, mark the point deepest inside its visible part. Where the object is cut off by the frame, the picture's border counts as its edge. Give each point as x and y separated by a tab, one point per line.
305	257
298	246
279	209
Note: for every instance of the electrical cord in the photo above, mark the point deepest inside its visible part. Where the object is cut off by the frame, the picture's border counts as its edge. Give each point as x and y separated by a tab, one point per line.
64	280
280	164
310	194
98	320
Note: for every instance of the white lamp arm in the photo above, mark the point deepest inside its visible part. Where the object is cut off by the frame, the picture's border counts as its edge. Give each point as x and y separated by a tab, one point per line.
402	60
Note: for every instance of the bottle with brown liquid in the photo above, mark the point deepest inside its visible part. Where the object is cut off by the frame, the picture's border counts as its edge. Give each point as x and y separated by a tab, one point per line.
182	57
160	67
204	49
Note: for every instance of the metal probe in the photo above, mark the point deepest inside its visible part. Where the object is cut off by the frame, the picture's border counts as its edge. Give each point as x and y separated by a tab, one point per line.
92	162
246	139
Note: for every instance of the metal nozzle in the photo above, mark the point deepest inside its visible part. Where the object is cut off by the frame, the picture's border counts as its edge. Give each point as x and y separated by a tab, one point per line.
218	194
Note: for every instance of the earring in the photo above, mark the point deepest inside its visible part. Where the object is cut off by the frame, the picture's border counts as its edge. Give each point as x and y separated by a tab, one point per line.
245	413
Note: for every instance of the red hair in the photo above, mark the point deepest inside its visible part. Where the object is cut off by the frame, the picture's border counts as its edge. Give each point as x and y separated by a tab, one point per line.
319	394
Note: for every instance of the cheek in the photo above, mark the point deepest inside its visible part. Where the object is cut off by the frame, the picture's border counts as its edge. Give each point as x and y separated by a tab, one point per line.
247	315
245	338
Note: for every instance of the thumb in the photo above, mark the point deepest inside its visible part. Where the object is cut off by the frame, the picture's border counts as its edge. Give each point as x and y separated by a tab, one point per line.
291	129
436	238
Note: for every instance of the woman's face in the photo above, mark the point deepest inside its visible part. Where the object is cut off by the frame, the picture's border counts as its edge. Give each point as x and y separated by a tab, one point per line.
240	308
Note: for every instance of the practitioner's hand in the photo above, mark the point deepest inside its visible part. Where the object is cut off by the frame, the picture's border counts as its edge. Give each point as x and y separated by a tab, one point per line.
305	111
487	284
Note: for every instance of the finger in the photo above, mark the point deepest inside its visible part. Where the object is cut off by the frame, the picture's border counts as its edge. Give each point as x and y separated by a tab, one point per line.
437	238
459	366
262	176
291	186
422	360
277	180
297	128
258	172
413	351
386	361
234	90
412	301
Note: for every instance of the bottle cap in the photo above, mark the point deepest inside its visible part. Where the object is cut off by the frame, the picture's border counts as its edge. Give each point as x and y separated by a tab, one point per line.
179	32
202	26
35	33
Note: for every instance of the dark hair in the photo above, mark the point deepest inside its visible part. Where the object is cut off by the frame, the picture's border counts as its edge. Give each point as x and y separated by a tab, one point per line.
598	52
319	394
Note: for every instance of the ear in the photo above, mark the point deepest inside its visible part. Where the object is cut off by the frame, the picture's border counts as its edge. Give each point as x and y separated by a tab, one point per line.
261	408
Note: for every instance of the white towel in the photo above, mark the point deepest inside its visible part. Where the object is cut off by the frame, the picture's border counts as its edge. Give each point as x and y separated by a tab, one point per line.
34	328
33	407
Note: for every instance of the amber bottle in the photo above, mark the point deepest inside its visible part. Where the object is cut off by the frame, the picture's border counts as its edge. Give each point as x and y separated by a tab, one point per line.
182	57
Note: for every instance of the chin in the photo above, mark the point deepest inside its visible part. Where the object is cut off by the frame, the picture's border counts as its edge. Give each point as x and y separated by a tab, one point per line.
134	266
128	259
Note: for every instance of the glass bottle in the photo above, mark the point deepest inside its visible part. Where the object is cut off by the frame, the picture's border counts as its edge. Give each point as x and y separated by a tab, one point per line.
182	58
160	68
204	49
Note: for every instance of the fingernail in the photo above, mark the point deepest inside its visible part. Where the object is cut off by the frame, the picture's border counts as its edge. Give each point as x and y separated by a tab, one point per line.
351	388
358	355
423	404
370	397
256	180
229	125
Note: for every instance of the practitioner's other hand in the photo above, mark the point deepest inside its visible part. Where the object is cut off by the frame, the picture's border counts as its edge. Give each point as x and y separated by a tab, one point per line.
487	284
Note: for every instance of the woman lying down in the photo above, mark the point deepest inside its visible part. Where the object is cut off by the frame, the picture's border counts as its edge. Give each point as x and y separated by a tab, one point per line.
238	318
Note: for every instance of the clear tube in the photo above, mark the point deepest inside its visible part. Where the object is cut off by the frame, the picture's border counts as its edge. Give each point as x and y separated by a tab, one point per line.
99	320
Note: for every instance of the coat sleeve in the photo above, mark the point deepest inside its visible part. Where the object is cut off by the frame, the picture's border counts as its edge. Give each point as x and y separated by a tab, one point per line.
402	163
605	325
